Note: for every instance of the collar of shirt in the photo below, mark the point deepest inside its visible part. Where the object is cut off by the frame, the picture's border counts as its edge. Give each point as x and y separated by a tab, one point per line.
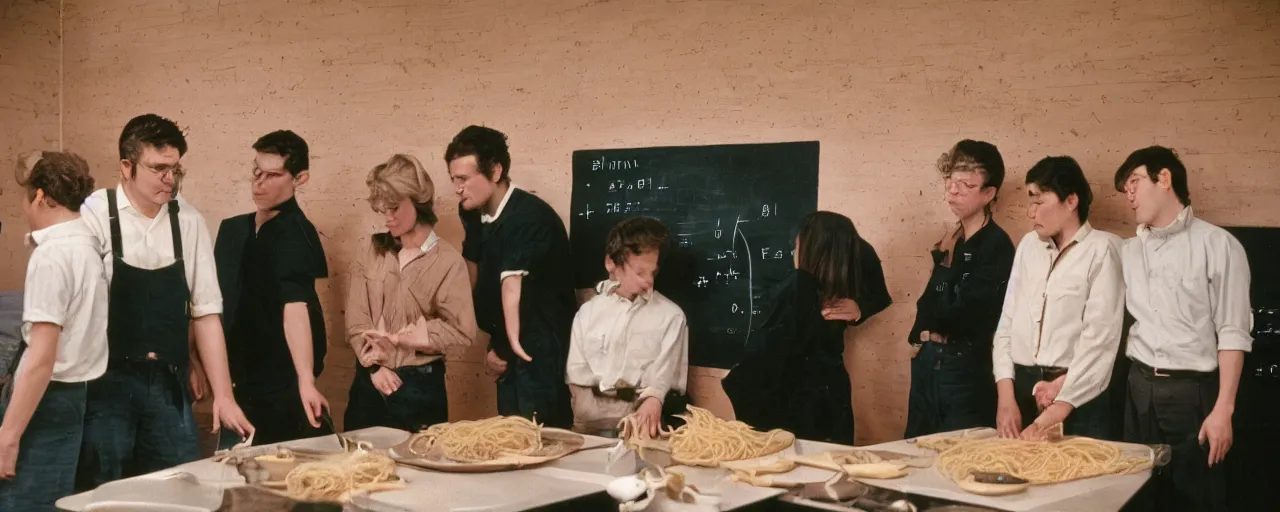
485	218
63	229
290	205
608	286
430	242
1080	235
1179	225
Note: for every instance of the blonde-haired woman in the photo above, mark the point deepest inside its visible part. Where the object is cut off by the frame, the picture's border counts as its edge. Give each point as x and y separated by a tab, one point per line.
409	304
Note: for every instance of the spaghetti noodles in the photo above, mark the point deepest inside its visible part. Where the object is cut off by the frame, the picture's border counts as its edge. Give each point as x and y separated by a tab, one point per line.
481	440
705	440
1038	462
336	478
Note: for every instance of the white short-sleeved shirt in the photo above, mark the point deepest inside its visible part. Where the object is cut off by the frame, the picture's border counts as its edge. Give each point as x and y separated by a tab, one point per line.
148	244
66	286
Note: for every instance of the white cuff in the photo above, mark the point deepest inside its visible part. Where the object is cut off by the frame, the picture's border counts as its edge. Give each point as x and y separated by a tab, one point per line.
510	273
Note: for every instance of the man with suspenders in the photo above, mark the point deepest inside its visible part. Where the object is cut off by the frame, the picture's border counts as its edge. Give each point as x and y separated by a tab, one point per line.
159	263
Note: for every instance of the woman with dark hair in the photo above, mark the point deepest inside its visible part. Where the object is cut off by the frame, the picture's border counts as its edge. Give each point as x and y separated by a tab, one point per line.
794	377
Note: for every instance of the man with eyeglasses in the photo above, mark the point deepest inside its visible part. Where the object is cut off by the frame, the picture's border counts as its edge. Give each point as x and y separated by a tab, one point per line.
268	263
1187	285
160	269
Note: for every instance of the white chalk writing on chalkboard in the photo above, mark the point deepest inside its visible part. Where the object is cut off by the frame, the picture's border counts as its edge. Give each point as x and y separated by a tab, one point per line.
603	163
626	185
696	191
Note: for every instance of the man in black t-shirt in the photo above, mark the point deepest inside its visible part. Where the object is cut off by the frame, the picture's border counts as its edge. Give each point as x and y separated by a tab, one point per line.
517	252
268	262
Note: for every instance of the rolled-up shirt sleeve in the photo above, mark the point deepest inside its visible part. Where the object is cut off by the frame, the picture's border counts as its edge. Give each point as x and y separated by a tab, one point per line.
670	370
47	293
1095	352
1229	283
206	296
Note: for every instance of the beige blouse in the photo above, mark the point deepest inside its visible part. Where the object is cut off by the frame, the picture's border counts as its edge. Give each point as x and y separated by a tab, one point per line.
431	284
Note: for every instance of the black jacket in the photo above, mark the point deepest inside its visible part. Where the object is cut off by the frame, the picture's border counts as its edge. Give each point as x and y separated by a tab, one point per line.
793	375
963	301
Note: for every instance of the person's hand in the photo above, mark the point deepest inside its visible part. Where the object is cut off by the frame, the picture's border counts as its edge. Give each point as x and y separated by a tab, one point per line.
377	348
649	418
414	336
519	350
845	310
386	381
9	444
494	366
1217	431
916	347
198	380
227	413
313	402
1008	419
1047	391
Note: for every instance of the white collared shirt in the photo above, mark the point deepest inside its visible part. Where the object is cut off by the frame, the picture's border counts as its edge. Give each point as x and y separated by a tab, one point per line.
620	343
1188	292
1064	308
66	286
148	244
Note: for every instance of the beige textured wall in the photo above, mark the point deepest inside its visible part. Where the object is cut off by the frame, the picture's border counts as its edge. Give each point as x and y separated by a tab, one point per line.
29	58
885	85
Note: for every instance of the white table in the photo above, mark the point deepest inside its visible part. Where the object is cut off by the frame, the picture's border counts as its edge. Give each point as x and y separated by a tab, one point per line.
1094	494
491	492
587	472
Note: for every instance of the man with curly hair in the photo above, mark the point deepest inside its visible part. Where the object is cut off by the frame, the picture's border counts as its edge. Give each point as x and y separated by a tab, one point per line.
64	329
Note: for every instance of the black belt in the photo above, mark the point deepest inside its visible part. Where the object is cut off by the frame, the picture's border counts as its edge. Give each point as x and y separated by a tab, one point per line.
1046	372
624	394
1148	371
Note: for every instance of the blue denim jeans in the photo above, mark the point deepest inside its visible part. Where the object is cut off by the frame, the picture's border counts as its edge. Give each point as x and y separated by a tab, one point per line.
952	388
137	420
48	452
420	402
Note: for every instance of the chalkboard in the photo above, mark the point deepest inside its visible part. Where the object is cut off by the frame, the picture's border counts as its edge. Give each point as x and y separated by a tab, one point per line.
732	211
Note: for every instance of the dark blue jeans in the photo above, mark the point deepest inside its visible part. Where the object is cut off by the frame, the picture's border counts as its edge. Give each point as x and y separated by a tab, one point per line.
420	402
952	388
48	452
137	420
1089	420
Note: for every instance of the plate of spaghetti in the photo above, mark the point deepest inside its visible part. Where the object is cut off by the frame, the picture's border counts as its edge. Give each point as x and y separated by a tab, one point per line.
333	477
708	441
1055	461
477	446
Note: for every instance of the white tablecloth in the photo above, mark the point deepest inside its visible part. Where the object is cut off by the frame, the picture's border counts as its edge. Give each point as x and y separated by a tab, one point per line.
587	471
